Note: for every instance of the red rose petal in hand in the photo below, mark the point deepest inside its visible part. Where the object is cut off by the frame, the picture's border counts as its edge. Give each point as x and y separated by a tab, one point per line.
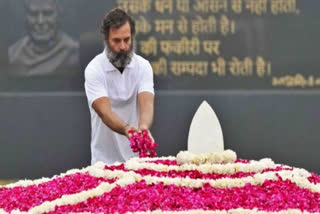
142	143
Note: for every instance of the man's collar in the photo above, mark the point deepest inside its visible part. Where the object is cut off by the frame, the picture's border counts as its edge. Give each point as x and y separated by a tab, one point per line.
108	66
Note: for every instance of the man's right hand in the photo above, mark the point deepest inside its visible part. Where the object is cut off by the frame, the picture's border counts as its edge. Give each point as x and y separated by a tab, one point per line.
127	128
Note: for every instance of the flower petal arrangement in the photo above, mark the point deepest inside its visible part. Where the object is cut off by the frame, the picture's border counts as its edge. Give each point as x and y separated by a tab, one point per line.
213	183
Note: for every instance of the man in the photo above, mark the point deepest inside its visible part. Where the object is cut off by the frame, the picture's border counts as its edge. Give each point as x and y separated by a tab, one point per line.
45	50
119	88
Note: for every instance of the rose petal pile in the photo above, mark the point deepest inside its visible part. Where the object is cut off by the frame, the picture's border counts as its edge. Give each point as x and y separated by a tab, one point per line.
165	185
143	197
24	198
142	143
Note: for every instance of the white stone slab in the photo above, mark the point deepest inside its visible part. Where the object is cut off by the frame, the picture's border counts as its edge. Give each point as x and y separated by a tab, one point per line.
205	134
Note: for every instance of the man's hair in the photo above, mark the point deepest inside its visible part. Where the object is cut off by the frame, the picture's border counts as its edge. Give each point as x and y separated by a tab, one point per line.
115	19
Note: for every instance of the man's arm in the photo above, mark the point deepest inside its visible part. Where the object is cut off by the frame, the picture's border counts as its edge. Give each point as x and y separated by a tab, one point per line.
103	108
146	108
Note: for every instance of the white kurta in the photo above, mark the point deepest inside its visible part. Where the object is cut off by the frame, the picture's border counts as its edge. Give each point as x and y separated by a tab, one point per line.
102	79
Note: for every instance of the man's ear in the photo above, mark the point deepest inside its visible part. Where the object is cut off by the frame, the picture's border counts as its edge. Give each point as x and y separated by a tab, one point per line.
104	39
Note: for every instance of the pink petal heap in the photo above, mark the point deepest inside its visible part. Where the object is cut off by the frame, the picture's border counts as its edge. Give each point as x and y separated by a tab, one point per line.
143	197
162	184
24	198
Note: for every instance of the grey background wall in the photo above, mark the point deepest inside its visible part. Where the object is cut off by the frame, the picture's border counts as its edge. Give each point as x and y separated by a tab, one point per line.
47	134
45	123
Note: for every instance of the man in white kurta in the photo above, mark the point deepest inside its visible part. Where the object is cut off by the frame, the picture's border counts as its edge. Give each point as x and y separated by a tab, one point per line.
102	79
119	89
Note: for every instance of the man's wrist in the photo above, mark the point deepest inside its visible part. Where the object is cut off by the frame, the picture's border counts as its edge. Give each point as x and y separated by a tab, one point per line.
125	127
143	127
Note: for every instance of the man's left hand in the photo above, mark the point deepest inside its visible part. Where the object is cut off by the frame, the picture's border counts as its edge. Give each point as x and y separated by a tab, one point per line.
141	128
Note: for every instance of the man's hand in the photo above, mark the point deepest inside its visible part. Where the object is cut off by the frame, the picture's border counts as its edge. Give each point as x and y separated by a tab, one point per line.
127	128
142	127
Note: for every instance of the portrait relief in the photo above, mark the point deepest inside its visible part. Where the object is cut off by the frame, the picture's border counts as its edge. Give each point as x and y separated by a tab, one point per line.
45	49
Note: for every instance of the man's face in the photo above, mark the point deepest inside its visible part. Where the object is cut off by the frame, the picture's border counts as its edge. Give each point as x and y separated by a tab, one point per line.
41	19
119	45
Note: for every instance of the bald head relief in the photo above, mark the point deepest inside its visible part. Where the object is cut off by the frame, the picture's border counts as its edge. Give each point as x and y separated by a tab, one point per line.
45	49
41	20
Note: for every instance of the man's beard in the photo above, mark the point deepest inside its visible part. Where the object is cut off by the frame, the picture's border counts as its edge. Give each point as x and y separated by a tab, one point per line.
122	58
